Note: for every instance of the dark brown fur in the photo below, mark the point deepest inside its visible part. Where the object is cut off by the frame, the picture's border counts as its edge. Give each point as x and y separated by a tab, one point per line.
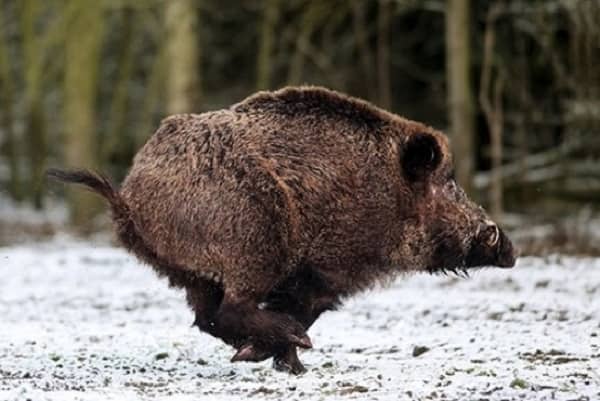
271	211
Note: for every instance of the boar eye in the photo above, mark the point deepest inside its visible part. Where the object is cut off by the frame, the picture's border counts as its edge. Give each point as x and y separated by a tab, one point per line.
422	155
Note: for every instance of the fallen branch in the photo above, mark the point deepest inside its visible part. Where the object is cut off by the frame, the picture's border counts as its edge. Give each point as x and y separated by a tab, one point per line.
519	168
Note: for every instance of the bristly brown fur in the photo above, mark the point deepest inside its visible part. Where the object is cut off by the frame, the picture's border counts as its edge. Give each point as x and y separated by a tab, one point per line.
271	211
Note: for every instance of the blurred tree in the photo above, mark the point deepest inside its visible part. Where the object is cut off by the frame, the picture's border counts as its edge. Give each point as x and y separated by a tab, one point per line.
153	100
127	63
313	13
460	92
365	56
490	97
118	143
265	50
35	125
84	26
386	11
183	56
7	117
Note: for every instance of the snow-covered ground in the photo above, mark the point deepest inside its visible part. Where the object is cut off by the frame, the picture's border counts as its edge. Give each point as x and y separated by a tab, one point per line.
85	322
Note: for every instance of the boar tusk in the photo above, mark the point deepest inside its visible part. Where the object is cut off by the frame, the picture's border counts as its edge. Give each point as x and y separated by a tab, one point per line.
493	240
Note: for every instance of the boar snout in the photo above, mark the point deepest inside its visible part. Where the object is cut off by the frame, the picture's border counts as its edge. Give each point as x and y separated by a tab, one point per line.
506	253
491	247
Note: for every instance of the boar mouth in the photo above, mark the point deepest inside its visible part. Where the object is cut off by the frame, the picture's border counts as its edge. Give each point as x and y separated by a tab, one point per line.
457	271
449	259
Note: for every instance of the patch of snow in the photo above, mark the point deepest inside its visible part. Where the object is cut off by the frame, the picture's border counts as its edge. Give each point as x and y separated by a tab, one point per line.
55	212
85	322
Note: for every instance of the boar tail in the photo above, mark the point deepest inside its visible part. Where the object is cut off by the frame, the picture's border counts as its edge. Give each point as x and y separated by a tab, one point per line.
101	185
127	231
94	182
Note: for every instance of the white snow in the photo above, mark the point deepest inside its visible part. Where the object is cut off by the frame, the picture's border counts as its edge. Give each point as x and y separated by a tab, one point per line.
85	322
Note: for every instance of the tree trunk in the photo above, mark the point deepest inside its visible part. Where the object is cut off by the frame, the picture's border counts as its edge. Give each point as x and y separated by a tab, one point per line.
497	189
151	106
265	51
35	123
313	12
183	56
460	96
491	103
524	104
82	51
7	96
118	142
360	27
383	53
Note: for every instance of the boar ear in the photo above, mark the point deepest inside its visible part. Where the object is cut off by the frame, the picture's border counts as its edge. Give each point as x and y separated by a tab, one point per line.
422	155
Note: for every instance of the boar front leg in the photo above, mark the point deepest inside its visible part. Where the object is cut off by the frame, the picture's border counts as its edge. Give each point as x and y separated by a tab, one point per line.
240	321
242	324
304	295
306	307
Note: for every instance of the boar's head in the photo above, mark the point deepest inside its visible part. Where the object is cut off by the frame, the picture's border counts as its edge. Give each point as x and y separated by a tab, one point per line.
454	234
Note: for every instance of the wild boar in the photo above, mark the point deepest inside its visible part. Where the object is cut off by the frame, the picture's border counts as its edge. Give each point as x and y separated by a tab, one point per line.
269	212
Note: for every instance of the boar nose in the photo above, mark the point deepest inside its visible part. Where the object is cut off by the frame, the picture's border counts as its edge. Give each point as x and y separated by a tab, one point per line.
507	254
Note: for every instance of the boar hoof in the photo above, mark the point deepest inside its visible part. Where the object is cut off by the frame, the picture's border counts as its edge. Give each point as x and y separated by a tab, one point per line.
303	342
250	353
289	363
293	368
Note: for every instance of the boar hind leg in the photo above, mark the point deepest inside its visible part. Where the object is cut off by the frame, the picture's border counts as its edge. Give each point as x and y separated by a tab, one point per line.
204	297
253	258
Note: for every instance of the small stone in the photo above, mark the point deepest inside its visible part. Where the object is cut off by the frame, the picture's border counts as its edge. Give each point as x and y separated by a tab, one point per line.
495	316
419	350
161	355
518	383
354	389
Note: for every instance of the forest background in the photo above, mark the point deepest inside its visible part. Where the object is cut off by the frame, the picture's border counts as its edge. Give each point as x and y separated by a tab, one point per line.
514	83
